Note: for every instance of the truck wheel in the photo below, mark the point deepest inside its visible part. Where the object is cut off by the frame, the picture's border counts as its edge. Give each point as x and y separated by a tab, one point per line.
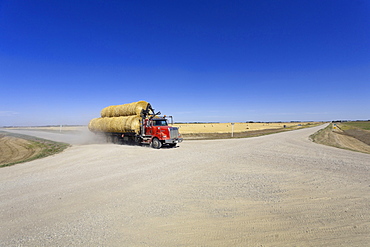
115	139
109	139
138	140
156	143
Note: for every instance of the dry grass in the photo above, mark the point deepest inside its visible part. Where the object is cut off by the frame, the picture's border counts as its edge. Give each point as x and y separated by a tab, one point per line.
16	148
192	128
116	124
124	110
335	137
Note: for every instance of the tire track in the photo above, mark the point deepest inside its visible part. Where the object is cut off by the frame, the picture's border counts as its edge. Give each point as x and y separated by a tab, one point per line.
15	149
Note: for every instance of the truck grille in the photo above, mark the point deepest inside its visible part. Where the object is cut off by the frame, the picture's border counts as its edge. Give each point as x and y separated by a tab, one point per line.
174	132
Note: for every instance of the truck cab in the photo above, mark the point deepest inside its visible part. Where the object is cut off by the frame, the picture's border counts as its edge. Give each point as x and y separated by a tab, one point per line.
158	133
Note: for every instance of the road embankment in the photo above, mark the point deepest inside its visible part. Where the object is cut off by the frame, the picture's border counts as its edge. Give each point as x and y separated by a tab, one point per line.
341	137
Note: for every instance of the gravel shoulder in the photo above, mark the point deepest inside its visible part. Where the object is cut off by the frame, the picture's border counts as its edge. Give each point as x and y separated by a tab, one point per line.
274	190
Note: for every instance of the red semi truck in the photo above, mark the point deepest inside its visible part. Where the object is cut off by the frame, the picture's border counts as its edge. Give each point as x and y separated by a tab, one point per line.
154	130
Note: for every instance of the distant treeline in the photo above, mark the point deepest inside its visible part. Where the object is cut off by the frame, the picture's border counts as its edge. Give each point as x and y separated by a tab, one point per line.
344	121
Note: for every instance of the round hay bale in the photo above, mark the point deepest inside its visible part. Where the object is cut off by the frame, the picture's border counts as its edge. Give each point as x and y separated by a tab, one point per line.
116	124
135	124
130	109
102	124
104	112
140	105
129	123
108	111
115	112
92	124
112	111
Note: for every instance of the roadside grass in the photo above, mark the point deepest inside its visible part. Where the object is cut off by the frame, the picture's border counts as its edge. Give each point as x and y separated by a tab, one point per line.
45	147
323	136
359	130
365	125
329	137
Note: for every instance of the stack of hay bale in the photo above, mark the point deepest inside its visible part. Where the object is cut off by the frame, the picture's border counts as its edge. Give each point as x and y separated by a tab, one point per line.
119	118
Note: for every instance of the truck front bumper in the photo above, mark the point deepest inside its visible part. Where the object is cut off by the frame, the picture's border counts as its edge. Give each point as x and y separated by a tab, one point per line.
174	140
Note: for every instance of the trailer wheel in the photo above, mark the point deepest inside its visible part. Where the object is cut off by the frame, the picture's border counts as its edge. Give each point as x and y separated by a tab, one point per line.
115	139
156	143
109	139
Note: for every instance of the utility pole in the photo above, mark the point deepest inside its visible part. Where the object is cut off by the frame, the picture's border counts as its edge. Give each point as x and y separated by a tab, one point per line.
232	129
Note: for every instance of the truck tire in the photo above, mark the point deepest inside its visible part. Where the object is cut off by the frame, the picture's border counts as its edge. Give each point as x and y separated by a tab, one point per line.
156	143
115	139
109	139
138	140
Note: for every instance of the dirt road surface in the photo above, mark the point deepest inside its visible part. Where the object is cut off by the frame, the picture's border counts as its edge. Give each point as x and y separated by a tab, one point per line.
275	190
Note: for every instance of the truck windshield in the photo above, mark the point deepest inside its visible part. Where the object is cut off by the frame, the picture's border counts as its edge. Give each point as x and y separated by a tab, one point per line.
160	122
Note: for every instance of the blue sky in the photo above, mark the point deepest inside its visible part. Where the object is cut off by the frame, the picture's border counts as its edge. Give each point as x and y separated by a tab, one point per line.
61	62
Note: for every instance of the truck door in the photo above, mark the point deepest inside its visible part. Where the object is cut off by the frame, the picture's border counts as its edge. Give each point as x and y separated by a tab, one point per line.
149	128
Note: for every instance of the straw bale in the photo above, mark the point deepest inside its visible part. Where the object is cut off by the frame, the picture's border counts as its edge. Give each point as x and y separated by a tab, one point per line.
124	110
116	124
135	124
128	121
92	124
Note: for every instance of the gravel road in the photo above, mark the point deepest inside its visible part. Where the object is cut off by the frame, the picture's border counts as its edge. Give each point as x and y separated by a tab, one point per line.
275	190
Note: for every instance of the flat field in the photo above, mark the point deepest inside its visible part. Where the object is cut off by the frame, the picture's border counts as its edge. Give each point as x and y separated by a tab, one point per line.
189	128
364	125
16	148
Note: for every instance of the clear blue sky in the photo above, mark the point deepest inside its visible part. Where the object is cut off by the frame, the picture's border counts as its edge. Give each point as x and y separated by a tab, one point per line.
61	62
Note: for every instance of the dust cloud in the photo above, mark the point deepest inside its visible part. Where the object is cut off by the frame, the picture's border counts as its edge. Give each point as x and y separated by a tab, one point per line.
75	135
84	136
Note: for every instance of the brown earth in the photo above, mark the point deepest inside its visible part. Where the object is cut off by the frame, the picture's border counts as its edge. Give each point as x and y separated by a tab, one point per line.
352	139
18	148
13	149
359	134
